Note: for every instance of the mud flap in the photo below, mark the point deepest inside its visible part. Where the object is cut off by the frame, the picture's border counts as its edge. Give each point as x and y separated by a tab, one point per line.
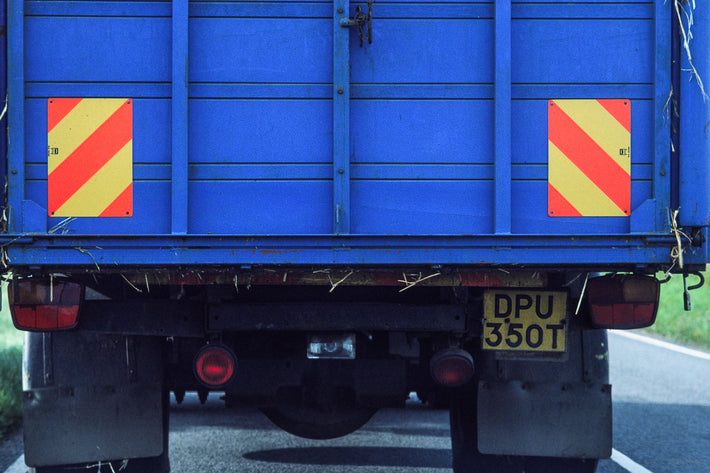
90	398
571	420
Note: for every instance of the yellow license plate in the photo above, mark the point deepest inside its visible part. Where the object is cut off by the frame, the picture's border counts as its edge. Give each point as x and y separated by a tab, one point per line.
524	320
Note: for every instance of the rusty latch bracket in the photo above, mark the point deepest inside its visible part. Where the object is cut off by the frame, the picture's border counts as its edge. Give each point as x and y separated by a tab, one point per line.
363	21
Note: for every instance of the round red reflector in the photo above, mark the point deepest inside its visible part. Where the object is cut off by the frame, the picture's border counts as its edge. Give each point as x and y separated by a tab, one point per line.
452	367
215	365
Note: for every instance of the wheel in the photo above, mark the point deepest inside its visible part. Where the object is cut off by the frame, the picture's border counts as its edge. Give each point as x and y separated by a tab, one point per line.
560	465
319	422
464	442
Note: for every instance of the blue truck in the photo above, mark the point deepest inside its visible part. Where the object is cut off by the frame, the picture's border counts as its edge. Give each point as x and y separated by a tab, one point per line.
319	207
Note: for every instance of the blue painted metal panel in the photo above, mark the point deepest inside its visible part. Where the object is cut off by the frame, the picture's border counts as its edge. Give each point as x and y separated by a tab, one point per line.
424	207
604	51
261	131
97	49
694	156
240	130
433	131
272	50
279	207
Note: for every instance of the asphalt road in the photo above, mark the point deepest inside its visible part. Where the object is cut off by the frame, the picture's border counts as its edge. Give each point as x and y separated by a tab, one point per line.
661	414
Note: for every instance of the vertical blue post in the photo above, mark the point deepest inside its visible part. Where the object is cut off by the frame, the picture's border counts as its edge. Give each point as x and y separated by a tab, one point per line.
502	117
663	115
3	86
180	62
16	113
341	118
694	185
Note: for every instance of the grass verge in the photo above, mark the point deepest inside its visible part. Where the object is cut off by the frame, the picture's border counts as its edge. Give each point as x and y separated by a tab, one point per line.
10	374
675	323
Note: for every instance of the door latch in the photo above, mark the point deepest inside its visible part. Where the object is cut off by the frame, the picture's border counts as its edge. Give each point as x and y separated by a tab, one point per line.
363	21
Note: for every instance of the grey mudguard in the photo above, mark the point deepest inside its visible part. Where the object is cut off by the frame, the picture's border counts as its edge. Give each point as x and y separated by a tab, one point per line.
90	398
545	419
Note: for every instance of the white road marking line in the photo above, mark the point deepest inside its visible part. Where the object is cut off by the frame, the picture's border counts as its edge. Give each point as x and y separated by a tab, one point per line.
662	344
18	467
627	463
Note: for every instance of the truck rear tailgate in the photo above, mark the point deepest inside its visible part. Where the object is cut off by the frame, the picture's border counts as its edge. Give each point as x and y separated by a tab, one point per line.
154	133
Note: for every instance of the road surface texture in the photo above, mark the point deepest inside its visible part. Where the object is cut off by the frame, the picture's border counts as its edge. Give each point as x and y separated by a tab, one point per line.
661	415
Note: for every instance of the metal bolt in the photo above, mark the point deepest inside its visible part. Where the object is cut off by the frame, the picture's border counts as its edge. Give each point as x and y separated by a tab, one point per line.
341	11
341	171
14	171
341	91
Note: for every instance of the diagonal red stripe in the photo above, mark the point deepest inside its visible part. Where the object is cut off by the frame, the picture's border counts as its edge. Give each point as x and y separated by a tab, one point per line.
90	157
589	157
558	206
57	109
619	109
122	206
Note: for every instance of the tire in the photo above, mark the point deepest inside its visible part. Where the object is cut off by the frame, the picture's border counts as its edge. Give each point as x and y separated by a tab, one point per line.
319	423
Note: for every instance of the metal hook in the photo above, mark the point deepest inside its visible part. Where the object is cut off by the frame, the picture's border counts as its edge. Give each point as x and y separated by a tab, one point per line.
699	284
687	289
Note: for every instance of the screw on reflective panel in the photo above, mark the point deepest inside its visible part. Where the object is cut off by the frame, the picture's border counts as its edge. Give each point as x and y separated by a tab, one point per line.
363	21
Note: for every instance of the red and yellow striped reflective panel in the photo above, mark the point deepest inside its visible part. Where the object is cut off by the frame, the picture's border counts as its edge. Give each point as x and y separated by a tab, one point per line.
89	157
589	153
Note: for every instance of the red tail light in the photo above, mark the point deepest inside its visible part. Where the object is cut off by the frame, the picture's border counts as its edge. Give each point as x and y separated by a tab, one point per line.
215	365
452	367
45	304
623	301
